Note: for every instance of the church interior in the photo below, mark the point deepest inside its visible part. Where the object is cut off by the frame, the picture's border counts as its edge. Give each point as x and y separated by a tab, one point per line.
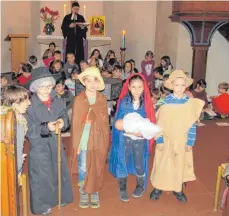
192	36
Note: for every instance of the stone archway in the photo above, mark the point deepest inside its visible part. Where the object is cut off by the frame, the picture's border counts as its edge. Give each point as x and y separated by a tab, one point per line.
201	33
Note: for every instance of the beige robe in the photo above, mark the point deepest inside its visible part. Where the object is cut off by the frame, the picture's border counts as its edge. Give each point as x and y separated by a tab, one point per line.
174	165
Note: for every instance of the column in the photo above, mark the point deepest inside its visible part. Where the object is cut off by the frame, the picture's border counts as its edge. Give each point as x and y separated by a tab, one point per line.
199	62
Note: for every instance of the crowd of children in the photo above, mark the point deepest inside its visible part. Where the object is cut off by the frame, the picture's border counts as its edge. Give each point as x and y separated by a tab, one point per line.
70	94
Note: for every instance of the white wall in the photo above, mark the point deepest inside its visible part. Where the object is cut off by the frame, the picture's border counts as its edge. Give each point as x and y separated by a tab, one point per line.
138	19
217	63
184	50
15	19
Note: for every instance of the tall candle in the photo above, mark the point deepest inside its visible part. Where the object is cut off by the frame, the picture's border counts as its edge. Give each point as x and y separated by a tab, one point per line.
123	39
65	9
84	12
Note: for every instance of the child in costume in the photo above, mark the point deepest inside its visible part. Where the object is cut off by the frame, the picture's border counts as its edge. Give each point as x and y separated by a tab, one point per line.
173	160
45	111
130	156
16	98
90	137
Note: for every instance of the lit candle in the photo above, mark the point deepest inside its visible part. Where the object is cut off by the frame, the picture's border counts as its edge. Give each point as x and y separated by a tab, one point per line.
65	9
84	12
123	39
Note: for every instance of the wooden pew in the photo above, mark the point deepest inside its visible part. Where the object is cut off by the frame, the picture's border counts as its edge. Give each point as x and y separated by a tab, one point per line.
9	179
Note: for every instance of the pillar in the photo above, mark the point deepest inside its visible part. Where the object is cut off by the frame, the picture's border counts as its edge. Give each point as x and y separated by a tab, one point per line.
199	62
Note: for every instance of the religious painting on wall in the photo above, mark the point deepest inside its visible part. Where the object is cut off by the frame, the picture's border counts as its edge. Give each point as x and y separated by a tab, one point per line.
97	26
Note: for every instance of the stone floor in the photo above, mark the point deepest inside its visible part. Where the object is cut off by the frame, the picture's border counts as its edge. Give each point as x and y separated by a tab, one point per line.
211	150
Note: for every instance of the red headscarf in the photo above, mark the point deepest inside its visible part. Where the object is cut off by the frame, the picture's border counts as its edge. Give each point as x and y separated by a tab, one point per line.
149	109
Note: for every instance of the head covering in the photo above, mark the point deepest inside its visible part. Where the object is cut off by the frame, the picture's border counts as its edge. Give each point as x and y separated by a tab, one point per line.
150	113
92	71
177	74
38	73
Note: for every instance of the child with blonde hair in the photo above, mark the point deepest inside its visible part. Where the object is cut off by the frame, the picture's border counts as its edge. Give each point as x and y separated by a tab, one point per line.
173	160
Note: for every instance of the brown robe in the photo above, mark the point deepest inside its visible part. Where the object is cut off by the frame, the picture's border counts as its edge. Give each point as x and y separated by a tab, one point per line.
174	165
98	139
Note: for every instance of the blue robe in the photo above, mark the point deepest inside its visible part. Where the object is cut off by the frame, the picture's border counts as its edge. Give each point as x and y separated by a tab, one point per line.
117	165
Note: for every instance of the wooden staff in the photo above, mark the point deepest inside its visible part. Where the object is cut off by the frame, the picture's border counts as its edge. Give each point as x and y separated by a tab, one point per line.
58	132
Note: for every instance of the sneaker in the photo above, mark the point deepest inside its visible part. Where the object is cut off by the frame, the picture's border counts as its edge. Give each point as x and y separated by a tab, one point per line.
95	200
181	196
139	190
155	194
49	211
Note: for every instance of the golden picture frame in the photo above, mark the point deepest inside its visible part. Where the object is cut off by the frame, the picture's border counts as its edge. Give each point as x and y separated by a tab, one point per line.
97	26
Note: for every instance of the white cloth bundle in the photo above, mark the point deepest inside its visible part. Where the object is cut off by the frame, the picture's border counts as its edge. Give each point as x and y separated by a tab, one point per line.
135	123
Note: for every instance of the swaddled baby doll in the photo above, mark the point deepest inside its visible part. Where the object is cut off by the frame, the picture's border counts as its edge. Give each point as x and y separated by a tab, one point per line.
135	123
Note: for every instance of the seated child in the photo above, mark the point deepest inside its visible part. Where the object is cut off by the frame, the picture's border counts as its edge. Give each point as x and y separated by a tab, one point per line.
52	47
200	93
158	74
133	123
96	54
26	74
83	65
4	81
49	58
90	137
220	103
17	98
58	70
117	72
156	96
73	84
105	73
173	160
165	77
94	62
57	57
134	69
128	155
66	95
34	62
70	65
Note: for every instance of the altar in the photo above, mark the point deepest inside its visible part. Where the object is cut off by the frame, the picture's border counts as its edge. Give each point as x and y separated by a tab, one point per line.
101	43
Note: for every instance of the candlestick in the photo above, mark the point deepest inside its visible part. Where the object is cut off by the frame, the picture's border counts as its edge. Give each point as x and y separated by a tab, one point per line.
84	12
65	9
123	39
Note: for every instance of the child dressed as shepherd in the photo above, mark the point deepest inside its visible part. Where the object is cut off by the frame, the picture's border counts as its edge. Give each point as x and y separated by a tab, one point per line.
90	137
173	160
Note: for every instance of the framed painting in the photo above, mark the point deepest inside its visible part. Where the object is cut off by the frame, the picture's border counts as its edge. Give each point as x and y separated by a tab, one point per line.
97	26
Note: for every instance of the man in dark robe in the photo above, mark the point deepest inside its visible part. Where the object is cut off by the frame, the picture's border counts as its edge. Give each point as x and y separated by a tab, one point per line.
74	32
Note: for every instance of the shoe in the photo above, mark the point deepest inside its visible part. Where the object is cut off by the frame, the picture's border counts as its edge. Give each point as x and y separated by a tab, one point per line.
123	190
95	200
49	211
155	194
139	190
84	198
62	205
181	196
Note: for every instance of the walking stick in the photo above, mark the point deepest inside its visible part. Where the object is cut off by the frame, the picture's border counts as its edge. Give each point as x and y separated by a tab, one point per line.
58	132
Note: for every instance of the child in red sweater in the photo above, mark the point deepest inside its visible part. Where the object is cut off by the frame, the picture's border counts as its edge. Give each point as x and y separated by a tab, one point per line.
220	103
25	75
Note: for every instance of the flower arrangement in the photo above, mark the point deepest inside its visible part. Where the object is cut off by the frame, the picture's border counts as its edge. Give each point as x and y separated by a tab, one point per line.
49	17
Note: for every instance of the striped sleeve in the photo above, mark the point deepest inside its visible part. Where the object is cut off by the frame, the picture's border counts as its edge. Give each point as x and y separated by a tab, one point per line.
160	140
192	135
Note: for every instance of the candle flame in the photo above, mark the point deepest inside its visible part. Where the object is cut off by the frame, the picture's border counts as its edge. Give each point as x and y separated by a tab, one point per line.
123	32
65	5
84	6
